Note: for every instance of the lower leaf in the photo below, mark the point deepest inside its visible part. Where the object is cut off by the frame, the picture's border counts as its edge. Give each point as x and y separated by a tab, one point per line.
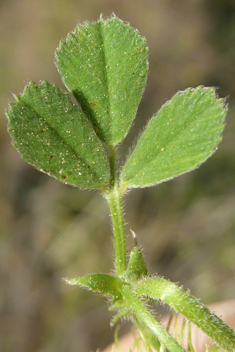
102	283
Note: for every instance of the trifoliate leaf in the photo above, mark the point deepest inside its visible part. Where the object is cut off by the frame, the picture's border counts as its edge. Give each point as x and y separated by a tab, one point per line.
53	134
181	136
105	65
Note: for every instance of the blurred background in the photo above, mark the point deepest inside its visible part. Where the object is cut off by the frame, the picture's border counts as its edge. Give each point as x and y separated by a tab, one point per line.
49	230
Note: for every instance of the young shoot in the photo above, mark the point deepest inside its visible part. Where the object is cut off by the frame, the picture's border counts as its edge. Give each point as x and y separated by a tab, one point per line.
104	65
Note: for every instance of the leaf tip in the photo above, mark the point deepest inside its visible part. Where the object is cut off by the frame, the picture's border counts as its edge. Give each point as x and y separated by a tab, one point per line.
70	282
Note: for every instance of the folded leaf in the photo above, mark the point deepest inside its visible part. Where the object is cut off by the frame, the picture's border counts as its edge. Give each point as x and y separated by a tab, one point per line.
53	134
181	136
136	267
105	65
103	283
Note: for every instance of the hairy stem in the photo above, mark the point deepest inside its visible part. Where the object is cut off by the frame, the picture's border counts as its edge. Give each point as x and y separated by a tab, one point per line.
168	292
144	318
114	198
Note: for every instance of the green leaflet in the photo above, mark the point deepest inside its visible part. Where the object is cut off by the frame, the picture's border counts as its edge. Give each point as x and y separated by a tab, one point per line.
105	65
52	134
181	136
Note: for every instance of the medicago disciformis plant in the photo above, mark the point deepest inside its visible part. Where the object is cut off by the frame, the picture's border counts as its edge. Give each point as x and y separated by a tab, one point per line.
104	65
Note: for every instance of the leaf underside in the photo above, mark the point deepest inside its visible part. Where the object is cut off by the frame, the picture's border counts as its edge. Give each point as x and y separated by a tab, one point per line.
53	134
181	136
104	65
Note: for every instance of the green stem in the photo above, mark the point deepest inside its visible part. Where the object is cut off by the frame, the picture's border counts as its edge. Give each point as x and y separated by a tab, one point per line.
114	198
115	204
168	292
144	318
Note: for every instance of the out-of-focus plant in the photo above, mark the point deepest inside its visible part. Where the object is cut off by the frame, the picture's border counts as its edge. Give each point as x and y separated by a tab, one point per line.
105	65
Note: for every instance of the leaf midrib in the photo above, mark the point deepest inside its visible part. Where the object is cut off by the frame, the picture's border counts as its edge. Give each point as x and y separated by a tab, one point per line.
61	138
167	146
